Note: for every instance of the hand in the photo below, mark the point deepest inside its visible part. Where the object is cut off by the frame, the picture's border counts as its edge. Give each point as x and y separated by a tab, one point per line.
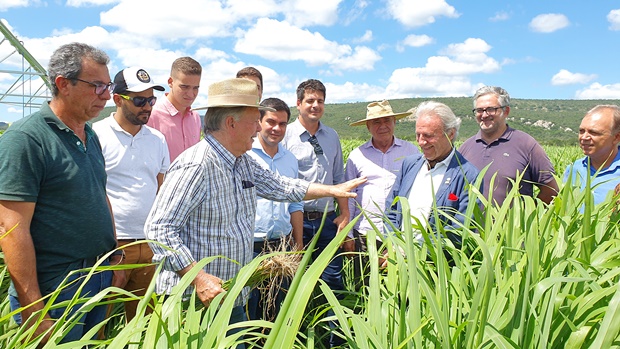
342	221
343	190
119	278
348	246
43	327
207	287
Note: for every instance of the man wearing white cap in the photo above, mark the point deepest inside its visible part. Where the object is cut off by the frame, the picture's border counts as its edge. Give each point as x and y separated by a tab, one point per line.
379	160
207	204
136	158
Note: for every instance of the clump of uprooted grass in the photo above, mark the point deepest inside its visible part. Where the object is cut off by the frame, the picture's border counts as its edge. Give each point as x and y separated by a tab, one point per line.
272	275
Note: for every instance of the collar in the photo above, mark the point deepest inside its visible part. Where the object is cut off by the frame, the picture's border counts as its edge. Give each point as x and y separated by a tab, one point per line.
258	147
227	157
504	137
171	109
51	119
445	162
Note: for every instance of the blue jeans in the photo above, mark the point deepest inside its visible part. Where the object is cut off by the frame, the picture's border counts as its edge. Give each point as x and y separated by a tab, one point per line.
332	275
237	315
98	282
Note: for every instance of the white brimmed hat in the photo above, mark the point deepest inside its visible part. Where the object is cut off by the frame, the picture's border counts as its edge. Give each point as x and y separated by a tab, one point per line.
232	93
377	110
134	79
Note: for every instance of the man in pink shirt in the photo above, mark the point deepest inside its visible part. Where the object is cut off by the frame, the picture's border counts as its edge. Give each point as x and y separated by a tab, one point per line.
172	115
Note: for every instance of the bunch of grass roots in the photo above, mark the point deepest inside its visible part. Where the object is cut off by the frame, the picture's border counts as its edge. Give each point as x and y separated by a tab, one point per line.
276	269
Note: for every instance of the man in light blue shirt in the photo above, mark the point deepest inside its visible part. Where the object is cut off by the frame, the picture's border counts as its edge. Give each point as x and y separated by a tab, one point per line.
599	136
275	221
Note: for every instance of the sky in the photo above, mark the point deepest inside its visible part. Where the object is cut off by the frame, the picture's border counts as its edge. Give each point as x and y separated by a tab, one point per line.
361	50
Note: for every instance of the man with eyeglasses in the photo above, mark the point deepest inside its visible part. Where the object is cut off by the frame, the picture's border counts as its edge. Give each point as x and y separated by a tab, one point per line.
52	194
136	158
509	152
319	155
173	115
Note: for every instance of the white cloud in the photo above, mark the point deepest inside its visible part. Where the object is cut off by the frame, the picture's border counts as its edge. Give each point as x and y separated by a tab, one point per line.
417	13
349	91
414	41
356	11
548	23
598	91
564	77
7	4
445	75
304	14
14	110
171	22
367	37
613	17
300	44
83	3
500	16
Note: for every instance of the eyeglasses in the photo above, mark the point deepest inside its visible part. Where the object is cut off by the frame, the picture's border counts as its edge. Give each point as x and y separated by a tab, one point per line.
491	111
140	101
315	144
100	87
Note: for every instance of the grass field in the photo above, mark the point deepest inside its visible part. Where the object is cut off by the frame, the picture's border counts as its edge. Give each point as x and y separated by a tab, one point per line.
528	275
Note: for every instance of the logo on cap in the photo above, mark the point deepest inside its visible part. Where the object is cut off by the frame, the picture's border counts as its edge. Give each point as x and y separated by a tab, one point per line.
143	76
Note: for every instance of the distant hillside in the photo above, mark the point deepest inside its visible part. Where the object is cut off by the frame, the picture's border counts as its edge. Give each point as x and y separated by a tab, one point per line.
551	122
3	126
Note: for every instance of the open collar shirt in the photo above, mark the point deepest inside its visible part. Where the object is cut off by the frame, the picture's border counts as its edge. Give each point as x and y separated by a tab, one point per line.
273	218
181	128
380	170
327	168
602	181
206	207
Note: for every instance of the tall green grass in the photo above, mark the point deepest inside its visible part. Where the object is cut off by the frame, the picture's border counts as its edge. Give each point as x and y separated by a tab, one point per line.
527	275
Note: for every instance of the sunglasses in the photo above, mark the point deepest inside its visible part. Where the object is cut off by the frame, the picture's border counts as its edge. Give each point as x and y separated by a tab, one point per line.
100	87
140	101
315	144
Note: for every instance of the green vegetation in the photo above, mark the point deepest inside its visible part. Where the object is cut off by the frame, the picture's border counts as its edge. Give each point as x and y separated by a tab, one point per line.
527	276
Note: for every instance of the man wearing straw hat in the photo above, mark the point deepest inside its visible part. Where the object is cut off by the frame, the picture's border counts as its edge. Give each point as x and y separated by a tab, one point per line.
207	204
379	160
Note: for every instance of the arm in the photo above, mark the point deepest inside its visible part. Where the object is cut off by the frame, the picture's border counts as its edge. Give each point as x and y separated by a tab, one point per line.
548	191
160	180
19	256
343	190
297	221
119	278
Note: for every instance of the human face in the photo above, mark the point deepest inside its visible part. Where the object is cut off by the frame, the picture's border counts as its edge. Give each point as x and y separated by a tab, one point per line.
596	138
273	127
491	126
433	141
382	129
85	104
311	108
135	115
259	86
244	130
183	90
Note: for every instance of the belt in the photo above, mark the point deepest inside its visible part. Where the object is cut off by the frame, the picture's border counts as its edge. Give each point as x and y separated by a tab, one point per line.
89	262
129	240
314	215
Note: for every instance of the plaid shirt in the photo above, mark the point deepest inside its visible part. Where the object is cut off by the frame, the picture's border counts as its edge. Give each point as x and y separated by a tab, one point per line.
206	207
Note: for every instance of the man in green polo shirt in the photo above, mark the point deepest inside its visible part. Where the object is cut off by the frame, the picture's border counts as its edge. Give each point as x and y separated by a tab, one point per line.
52	191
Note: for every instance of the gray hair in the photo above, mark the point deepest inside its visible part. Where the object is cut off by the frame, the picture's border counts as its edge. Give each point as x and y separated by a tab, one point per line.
67	61
616	114
448	119
215	116
502	95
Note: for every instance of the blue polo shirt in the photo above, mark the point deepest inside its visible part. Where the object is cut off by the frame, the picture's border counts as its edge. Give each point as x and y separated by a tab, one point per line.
602	182
43	161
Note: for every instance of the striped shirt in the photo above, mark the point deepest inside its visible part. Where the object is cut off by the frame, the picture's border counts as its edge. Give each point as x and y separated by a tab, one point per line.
206	207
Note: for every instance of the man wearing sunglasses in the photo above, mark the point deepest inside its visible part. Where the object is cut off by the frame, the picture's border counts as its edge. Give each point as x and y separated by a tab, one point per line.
136	158
509	152
52	194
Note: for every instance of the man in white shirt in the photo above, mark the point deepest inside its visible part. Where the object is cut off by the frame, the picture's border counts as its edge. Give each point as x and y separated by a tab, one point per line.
136	158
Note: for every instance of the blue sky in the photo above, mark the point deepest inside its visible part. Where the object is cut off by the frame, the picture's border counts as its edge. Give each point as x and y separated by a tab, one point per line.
362	50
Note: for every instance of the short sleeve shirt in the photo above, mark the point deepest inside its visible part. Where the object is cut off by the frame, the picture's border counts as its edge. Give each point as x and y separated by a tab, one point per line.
45	162
514	151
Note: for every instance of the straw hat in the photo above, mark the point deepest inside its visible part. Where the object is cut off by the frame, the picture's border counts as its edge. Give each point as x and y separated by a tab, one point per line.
233	93
377	110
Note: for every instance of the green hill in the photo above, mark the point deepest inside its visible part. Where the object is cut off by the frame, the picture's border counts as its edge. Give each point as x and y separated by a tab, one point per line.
550	121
